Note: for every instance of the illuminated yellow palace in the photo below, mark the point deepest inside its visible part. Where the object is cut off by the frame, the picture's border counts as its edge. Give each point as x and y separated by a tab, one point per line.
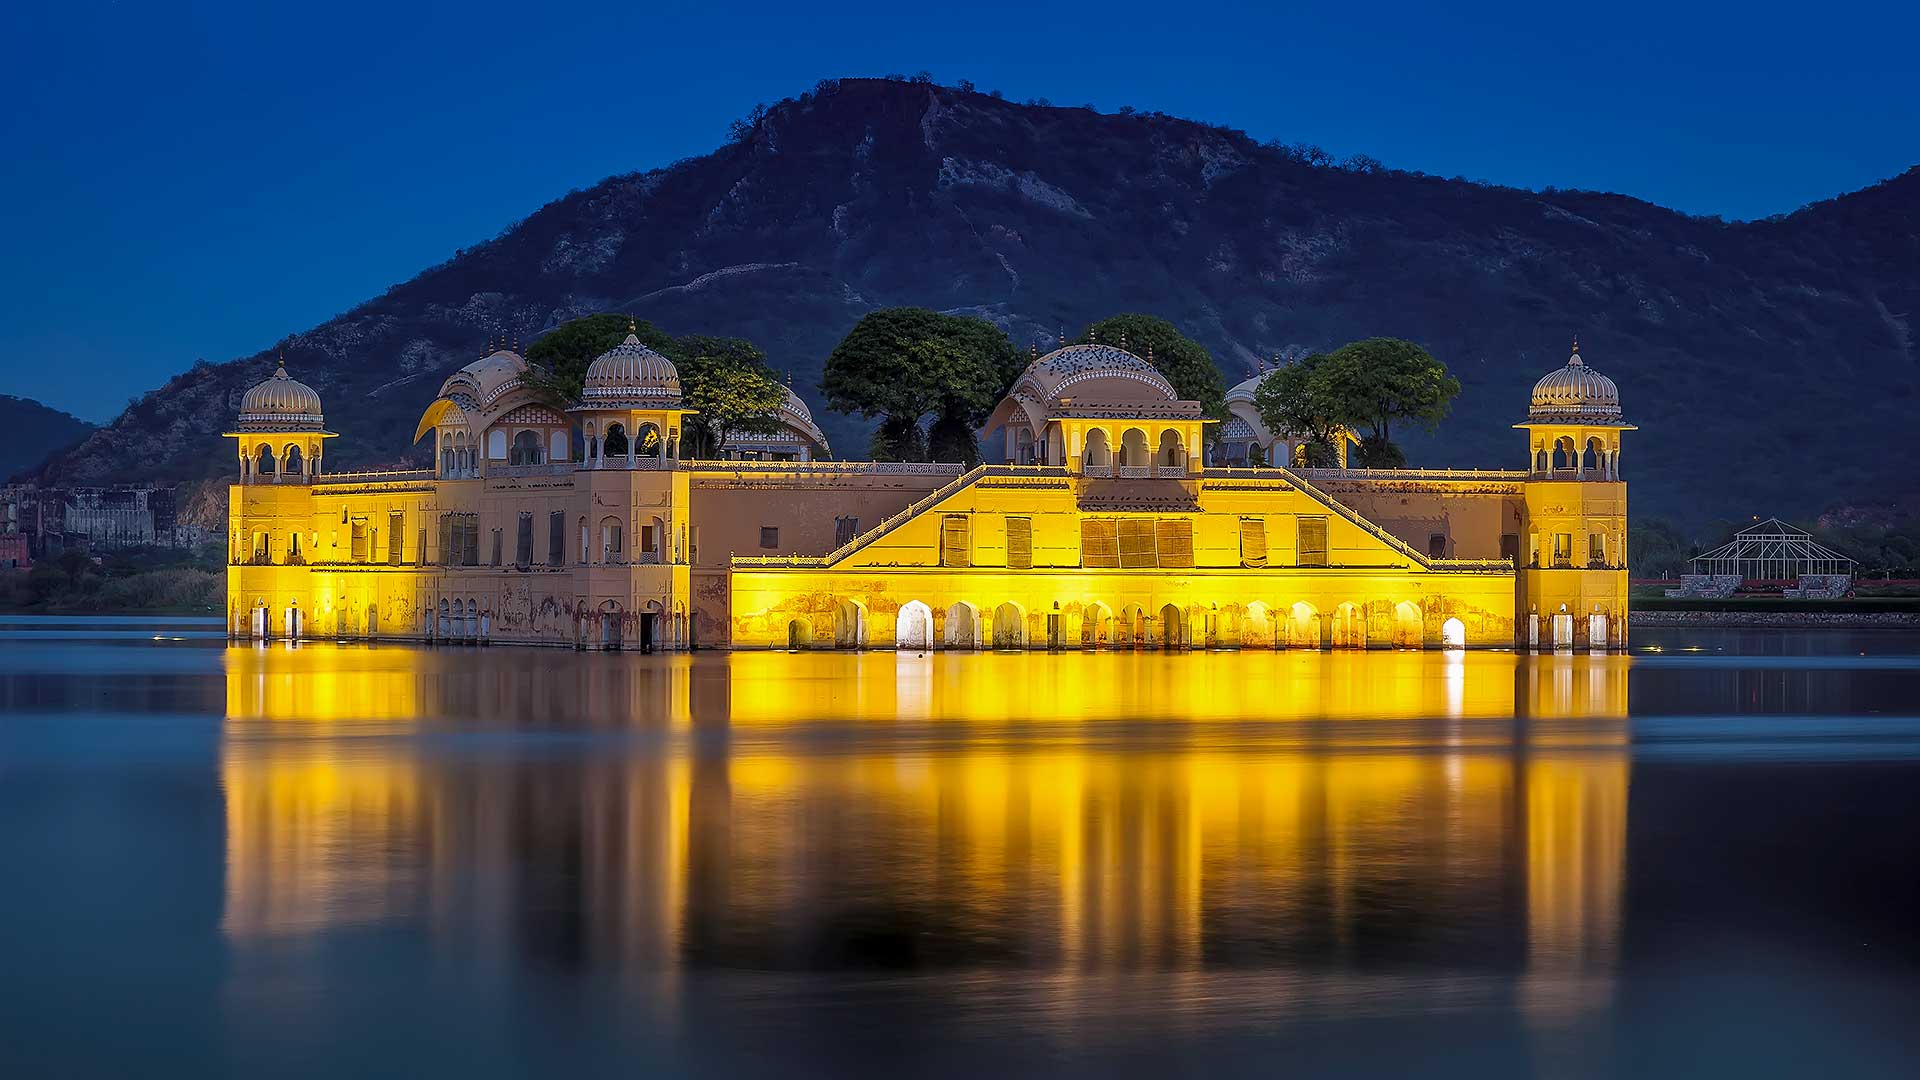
1100	529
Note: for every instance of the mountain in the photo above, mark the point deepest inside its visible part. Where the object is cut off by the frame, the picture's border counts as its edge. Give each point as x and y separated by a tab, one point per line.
1766	363
34	432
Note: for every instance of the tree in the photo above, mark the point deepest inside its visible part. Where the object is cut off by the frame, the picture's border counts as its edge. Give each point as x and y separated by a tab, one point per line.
1296	400
899	364
729	385
566	351
1381	380
1186	363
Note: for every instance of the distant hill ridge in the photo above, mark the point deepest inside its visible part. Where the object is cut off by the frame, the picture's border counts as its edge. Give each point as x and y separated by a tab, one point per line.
29	431
1765	362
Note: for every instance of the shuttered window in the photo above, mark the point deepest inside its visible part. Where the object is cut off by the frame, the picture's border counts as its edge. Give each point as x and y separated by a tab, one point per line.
1019	543
1136	544
1174	537
396	535
956	541
556	539
1313	541
1253	541
359	542
523	540
1099	543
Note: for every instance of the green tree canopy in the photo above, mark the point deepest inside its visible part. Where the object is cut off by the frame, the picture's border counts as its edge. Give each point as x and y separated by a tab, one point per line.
1186	363
1296	400
1363	386
897	365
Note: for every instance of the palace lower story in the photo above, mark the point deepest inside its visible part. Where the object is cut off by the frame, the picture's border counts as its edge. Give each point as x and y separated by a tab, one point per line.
654	554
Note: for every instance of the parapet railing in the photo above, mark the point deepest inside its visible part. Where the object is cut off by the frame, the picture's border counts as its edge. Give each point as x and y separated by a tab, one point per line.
1413	474
892	468
384	476
894	521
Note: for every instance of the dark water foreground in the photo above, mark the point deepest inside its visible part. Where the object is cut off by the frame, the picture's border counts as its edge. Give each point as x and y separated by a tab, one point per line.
1703	859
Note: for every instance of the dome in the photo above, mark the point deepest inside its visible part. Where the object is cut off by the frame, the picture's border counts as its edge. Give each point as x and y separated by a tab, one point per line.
282	403
487	378
795	414
631	375
1575	393
1242	392
1097	371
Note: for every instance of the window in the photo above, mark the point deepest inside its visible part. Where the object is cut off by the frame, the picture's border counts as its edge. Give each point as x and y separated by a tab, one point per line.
1436	545
1533	549
294	558
459	539
1099	543
844	530
956	540
1174	538
769	537
396	536
1510	547
556	539
1136	544
359	542
1596	550
1019	543
523	541
650	540
693	544
610	540
1563	549
1312	541
497	538
1253	541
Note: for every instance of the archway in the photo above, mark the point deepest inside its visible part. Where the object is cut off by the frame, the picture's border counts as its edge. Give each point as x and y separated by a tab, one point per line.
1303	626
850	625
1131	631
1009	626
963	626
443	625
1096	626
1453	634
473	618
914	629
1408	625
1349	627
1173	453
1173	627
1099	455
612	624
294	622
1597	632
263	462
615	443
799	634
1256	627
292	460
1133	447
648	444
526	449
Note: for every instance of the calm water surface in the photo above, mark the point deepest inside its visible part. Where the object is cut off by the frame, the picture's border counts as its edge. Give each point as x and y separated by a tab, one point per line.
1703	859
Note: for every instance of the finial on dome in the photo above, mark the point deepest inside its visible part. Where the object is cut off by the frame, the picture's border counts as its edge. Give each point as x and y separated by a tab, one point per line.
1093	334
281	371
1123	339
789	378
633	327
1033	349
1149	352
1574	360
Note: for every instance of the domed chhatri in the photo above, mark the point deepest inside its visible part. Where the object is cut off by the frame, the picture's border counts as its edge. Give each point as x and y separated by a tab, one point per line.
281	403
1052	374
1575	394
630	374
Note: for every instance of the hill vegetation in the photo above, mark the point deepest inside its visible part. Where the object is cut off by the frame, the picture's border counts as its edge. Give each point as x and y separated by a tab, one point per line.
34	431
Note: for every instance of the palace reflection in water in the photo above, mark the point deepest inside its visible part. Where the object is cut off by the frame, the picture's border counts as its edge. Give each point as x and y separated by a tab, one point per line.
1058	814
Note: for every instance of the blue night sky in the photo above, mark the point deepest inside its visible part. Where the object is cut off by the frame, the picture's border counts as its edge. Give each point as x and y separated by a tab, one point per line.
198	180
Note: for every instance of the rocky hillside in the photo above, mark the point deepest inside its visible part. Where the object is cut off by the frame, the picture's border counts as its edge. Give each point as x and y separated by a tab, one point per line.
32	432
1766	363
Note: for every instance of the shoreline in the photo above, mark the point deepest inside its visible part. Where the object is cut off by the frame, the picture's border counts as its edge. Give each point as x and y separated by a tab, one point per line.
1800	620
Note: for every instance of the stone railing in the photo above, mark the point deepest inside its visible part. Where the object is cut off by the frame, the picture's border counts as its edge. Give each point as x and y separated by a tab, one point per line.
830	468
1102	471
385	477
1136	472
1170	472
545	468
1410	474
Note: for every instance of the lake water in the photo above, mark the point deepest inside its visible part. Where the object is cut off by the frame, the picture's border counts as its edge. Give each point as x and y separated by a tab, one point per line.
341	860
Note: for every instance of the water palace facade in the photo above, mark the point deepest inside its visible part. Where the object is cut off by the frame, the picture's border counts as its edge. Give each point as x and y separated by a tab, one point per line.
1102	527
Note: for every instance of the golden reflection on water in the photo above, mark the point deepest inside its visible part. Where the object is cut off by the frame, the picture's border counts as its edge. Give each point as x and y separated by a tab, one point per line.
1055	813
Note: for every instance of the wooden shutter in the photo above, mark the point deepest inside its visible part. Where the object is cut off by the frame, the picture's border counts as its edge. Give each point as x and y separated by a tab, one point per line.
1136	544
1253	541
1099	543
1313	541
556	538
956	541
1174	538
1019	543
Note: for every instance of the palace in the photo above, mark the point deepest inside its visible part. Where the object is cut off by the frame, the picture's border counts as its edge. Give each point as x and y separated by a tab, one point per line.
1103	527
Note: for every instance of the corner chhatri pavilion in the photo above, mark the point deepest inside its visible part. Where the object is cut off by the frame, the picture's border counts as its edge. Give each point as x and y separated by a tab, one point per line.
1102	527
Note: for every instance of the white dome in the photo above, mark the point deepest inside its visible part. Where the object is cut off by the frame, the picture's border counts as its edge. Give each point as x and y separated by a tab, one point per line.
281	403
1575	393
631	375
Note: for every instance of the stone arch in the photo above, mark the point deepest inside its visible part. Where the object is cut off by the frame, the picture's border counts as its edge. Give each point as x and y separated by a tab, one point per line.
1303	626
1349	627
263	461
850	625
1173	627
1565	454
1133	447
647	440
1453	634
291	460
612	621
1131	631
615	442
1257	629
1099	452
1408	625
612	543
913	629
1009	626
1172	451
526	448
963	626
1096	626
